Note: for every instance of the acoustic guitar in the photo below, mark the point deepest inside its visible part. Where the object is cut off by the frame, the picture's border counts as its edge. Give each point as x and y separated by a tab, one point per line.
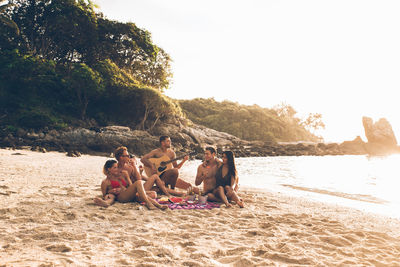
163	164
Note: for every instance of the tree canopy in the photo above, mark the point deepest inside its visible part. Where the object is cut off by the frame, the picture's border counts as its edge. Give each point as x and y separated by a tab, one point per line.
70	64
248	122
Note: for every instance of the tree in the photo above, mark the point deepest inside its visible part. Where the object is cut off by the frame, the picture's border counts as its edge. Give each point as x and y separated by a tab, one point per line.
313	122
86	83
6	20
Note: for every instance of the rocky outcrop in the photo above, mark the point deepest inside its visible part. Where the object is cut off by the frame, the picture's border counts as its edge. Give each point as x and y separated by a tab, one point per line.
357	146
380	132
185	137
380	135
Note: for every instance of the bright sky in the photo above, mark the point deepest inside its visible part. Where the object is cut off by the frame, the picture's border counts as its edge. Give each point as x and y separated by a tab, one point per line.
339	58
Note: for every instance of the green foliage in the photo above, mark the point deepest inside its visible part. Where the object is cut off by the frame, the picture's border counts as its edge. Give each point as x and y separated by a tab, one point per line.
247	122
70	65
69	31
5	20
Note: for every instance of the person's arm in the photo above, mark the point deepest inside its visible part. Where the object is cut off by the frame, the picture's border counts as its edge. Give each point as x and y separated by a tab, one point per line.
145	160
135	173
200	176
233	180
127	178
142	173
104	185
176	165
236	188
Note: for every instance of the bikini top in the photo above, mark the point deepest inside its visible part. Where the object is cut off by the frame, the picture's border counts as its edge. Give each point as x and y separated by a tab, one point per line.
116	184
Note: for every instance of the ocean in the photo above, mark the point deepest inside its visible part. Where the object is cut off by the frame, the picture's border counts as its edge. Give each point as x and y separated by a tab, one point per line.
370	184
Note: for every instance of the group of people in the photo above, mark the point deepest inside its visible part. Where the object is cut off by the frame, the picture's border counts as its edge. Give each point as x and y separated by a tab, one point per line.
126	180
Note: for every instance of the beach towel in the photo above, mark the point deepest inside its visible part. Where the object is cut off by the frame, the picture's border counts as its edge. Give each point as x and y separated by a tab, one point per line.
180	203
194	206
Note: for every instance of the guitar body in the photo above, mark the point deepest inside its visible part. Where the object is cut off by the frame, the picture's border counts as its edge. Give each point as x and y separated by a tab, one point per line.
160	165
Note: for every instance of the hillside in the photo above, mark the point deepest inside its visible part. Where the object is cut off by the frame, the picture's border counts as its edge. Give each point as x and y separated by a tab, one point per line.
248	122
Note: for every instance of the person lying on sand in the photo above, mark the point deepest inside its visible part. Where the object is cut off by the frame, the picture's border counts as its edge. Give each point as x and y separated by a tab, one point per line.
120	185
128	164
206	173
227	180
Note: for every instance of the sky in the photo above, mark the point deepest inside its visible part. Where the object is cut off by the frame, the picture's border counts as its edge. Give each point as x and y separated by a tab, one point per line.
338	58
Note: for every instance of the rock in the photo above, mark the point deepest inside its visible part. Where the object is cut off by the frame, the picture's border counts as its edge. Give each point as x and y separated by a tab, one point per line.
20	132
380	132
357	146
380	135
73	153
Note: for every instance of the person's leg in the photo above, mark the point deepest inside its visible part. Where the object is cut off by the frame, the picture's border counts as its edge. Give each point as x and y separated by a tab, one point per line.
175	192
221	194
160	184
212	197
150	182
158	205
108	200
151	194
130	193
185	185
231	194
169	177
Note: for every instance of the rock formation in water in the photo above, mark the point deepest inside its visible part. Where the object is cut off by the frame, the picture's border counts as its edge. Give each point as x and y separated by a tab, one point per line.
380	135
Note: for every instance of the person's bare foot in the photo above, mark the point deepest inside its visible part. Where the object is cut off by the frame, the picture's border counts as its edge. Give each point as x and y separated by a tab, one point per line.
163	207
101	202
150	206
228	206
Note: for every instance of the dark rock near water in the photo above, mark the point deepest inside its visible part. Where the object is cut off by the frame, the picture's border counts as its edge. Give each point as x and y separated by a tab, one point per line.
74	153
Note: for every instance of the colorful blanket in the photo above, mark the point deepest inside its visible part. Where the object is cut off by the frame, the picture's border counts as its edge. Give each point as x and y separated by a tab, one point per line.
196	206
175	203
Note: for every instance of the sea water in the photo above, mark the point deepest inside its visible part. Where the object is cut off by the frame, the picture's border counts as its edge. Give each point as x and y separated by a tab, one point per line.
371	184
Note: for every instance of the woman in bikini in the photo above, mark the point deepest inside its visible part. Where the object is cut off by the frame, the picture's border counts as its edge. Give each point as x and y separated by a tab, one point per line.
227	179
118	186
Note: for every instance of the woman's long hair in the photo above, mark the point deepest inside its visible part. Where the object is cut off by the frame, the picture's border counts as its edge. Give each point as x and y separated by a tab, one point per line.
231	163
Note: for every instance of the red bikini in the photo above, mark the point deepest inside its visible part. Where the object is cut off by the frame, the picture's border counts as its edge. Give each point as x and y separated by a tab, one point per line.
116	184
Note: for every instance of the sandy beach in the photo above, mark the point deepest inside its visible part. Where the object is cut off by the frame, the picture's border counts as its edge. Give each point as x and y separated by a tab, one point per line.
47	218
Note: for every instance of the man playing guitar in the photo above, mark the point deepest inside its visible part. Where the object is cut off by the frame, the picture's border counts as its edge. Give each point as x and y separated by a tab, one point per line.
170	175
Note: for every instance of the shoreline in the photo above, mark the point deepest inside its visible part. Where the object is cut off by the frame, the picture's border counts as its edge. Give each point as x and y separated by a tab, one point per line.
47	217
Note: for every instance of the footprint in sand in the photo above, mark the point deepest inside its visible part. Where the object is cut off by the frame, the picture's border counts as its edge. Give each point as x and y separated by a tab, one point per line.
59	248
192	264
70	216
187	244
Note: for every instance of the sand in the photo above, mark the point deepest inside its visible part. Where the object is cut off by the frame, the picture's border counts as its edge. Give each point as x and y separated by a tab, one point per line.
47	218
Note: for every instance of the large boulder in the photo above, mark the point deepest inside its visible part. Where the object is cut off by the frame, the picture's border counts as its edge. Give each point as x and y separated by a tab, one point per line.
380	132
380	135
355	147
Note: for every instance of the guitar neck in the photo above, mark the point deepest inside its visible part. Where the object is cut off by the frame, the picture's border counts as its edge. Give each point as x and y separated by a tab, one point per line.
177	158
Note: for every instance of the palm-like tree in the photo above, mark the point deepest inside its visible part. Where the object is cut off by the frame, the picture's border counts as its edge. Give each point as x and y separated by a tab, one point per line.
5	20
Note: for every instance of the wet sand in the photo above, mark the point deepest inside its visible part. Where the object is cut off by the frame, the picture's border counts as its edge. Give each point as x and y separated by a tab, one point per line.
47	218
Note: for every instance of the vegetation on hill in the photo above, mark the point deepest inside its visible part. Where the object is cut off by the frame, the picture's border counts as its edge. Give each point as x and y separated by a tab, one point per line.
252	122
69	65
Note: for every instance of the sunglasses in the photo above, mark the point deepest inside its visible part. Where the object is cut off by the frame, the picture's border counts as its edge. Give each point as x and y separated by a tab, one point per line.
125	156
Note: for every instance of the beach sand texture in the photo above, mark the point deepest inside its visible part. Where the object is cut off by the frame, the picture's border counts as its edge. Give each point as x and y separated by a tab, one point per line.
47	219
